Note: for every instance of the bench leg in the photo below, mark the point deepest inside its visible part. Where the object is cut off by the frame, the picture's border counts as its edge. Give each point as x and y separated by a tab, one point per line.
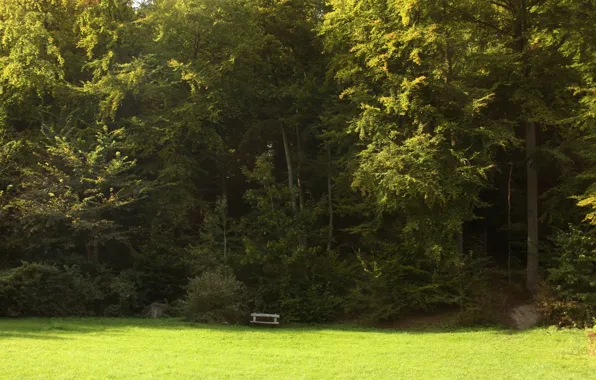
275	320
254	319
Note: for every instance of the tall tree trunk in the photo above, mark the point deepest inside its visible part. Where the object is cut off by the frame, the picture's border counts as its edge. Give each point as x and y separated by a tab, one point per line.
93	249
298	179
459	236
96	248
485	238
225	236
520	46
329	198
532	207
521	30
509	221
459	239
290	169
224	210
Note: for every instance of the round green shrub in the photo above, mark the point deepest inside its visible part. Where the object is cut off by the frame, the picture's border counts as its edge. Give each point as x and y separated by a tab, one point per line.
215	297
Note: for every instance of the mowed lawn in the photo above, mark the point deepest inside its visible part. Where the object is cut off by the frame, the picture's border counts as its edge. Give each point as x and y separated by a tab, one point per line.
98	348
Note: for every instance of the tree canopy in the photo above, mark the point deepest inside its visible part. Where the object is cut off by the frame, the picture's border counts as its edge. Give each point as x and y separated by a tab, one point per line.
341	159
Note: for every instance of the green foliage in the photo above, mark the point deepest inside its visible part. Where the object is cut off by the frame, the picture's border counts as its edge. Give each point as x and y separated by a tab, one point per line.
316	302
32	60
75	186
283	256
42	290
218	240
584	145
389	289
569	297
482	294
216	297
149	143
121	294
427	142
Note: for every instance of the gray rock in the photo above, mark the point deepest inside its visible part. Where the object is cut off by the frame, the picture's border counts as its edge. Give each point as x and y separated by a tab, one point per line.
156	309
525	316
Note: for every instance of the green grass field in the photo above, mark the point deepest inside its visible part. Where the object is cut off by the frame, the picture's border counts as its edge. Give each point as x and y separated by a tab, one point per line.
171	349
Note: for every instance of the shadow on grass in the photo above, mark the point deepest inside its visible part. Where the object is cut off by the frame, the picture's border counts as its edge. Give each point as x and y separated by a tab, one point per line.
61	328
46	328
24	335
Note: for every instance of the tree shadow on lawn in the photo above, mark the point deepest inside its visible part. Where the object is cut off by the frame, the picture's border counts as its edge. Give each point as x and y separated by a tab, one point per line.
61	328
46	328
500	330
23	335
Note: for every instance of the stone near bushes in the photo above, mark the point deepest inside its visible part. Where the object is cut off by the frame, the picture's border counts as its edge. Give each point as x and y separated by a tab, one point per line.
525	316
156	309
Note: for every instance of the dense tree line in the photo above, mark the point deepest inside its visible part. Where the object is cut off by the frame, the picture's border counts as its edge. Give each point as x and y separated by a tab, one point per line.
344	159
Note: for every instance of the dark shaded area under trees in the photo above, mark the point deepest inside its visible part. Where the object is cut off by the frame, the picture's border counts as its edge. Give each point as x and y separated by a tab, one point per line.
354	159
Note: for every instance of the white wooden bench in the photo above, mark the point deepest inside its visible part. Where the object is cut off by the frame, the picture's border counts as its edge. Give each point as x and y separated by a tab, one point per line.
260	315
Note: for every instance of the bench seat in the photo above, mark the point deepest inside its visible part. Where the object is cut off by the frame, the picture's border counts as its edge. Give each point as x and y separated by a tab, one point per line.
262	315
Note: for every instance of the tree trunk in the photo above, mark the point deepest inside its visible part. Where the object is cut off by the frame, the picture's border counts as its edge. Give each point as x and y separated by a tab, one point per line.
93	249
509	222
290	170
298	179
329	198
459	239
224	182
224	210
532	207
459	236
531	172
485	238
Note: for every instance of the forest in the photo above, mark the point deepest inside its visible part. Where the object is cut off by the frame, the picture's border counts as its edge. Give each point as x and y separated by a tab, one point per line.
327	160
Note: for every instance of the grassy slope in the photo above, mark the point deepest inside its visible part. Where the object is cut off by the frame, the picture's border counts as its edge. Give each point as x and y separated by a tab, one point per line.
160	349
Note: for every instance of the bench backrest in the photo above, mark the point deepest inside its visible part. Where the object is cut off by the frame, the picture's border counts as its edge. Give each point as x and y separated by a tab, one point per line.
264	315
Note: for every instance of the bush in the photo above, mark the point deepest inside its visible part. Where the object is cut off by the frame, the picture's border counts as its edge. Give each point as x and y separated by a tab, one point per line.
569	297
123	295
392	290
43	290
482	294
313	304
216	297
562	311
